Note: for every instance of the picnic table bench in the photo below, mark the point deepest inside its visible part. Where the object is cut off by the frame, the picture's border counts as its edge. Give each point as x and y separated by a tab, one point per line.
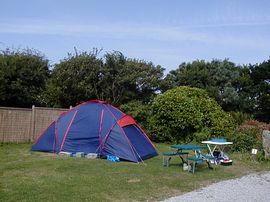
168	155
181	150
199	160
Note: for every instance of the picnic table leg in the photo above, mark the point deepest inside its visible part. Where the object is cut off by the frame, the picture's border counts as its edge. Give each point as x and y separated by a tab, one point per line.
193	167
209	166
163	161
183	160
166	161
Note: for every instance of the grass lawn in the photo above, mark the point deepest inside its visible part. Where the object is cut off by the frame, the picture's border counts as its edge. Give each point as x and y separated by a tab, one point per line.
26	176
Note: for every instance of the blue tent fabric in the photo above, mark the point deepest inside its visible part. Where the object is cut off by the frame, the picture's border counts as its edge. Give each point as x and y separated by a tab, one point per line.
96	127
142	146
43	140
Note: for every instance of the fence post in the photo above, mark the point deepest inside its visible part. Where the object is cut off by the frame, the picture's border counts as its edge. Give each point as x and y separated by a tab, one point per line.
33	123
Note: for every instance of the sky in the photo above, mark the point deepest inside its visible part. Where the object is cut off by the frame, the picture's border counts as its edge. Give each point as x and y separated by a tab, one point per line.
166	33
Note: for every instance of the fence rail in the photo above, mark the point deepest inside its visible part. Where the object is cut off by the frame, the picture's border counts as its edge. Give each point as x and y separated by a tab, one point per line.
19	125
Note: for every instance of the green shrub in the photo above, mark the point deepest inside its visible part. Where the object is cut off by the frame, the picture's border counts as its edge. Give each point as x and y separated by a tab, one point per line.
181	112
202	135
249	124
246	140
240	117
139	111
248	136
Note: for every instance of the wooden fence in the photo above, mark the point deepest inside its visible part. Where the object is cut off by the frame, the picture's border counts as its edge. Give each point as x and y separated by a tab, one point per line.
19	125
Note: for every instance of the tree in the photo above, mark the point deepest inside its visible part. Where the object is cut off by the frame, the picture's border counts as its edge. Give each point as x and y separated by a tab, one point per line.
74	80
216	77
127	79
117	79
244	86
260	75
114	78
23	74
181	113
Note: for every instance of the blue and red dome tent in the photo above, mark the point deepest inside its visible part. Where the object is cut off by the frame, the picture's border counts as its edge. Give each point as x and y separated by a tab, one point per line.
96	127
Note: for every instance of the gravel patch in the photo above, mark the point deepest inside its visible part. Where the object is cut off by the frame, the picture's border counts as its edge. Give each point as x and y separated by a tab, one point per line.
254	187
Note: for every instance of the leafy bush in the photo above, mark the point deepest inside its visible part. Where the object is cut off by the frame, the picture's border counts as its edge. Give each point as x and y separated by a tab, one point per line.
139	111
253	124
202	135
244	141
183	111
240	117
249	135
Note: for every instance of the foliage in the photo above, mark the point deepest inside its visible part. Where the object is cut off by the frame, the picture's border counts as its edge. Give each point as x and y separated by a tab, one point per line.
129	79
74	80
25	79
182	111
249	135
253	124
260	75
202	135
240	117
216	77
236	88
244	86
114	78
139	111
23	74
245	140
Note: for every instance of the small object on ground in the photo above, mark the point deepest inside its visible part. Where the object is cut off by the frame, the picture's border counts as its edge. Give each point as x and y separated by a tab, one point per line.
227	162
113	158
91	156
254	151
186	167
79	154
64	154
